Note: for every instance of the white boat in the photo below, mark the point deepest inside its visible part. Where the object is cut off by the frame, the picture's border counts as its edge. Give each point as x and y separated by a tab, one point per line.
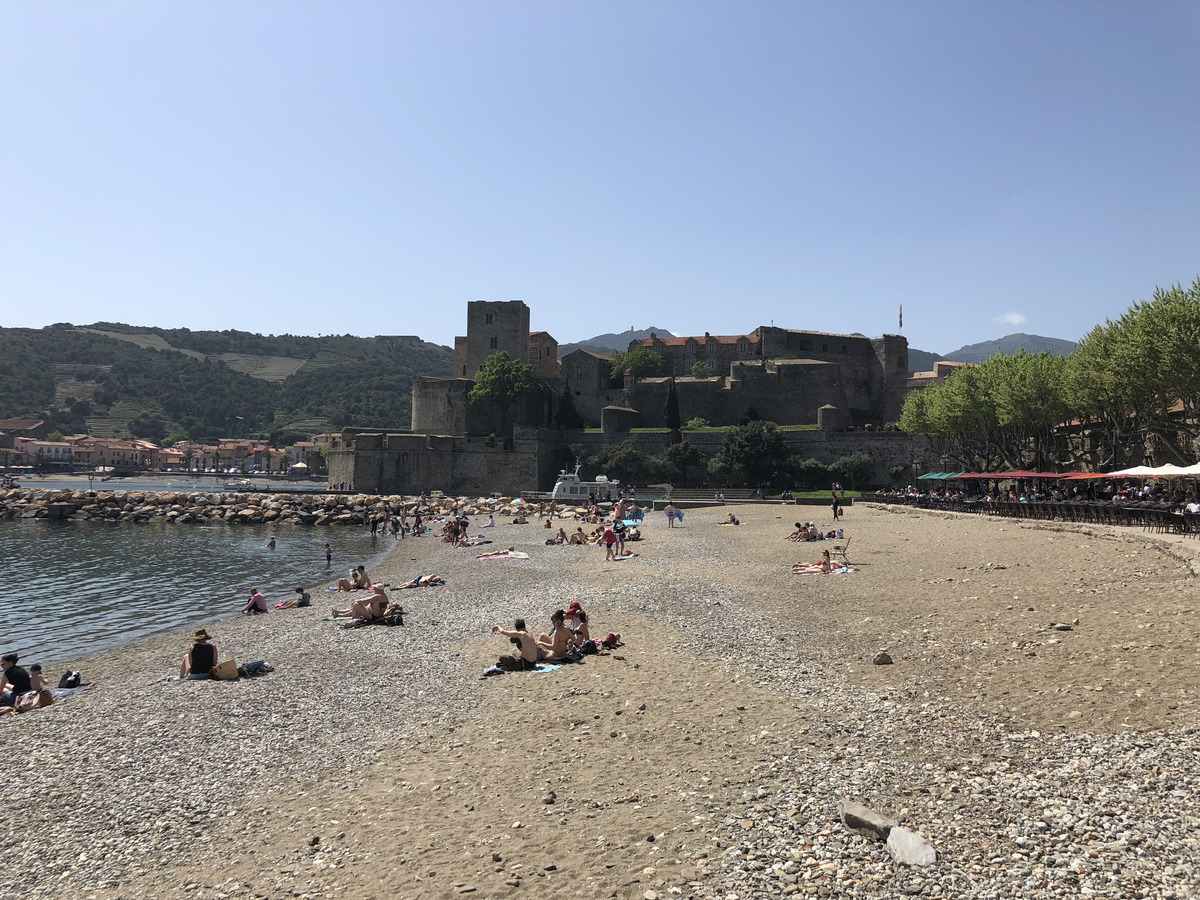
570	488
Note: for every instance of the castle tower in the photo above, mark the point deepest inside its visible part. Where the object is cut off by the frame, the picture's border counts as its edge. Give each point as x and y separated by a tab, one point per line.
492	326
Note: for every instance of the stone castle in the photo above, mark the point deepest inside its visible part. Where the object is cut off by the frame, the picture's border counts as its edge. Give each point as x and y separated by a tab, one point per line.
844	384
789	377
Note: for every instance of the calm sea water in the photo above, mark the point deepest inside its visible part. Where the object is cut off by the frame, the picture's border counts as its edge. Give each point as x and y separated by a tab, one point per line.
74	588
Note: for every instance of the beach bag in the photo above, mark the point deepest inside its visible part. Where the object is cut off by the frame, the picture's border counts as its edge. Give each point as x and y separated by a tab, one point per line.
589	648
841	512
27	701
226	671
70	680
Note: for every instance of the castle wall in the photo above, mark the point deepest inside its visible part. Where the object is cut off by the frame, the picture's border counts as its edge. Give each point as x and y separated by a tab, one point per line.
406	463
440	405
586	376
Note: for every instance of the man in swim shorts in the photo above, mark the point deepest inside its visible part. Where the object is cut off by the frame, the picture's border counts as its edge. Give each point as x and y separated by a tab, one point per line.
527	650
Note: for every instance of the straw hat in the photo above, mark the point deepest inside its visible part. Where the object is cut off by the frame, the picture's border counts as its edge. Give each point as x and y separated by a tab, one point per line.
201	636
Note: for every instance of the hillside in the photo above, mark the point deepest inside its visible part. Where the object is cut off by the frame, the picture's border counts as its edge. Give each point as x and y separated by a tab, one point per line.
1033	343
119	380
609	343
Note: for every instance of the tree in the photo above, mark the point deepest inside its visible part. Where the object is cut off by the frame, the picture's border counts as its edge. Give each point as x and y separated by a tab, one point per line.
671	411
701	370
624	461
756	449
681	457
854	469
642	361
567	416
500	383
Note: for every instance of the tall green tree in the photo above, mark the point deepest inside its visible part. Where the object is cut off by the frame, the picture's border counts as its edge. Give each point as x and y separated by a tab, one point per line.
755	449
671	409
681	457
500	383
566	416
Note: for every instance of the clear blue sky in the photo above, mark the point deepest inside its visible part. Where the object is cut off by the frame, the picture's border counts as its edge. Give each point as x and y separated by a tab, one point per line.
369	167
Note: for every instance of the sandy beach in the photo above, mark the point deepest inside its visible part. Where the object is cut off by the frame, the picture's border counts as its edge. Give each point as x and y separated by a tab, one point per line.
707	762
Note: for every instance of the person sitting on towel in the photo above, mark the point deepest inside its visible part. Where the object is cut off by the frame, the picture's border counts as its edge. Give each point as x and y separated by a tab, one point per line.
527	650
557	642
370	607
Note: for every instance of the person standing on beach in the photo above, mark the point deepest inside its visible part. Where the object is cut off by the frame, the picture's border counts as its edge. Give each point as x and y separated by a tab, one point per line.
835	506
328	556
670	515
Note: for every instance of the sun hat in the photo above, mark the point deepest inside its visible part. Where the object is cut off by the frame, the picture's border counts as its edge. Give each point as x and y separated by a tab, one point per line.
201	636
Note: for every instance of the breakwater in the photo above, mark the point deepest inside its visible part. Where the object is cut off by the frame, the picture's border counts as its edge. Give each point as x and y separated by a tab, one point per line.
206	508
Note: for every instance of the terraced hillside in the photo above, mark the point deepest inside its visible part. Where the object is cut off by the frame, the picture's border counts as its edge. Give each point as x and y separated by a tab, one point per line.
118	380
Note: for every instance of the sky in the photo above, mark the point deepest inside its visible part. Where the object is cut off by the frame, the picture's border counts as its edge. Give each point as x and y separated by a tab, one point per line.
370	167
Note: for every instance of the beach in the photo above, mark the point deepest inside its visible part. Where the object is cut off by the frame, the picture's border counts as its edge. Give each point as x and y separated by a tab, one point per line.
1037	726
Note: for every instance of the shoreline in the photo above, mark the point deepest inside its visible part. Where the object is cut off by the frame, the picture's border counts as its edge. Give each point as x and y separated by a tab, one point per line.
741	685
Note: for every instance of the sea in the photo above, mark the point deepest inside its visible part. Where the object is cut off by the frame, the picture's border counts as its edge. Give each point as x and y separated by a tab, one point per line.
73	588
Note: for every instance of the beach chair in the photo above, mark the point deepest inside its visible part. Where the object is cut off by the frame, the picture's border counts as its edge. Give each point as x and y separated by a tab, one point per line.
842	550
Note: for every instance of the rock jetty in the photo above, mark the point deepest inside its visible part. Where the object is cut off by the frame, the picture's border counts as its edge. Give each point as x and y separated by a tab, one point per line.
253	508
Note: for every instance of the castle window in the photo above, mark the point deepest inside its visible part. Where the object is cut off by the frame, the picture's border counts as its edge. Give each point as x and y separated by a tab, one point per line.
487	319
806	345
493	343
711	366
824	347
464	371
844	350
901	363
743	347
578	375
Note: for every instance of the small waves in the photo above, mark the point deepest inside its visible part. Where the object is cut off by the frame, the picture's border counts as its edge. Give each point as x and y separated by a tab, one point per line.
75	588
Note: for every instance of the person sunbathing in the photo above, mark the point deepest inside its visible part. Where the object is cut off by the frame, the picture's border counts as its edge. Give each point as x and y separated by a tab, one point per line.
578	537
732	520
825	567
797	535
302	599
422	581
370	607
555	644
358	580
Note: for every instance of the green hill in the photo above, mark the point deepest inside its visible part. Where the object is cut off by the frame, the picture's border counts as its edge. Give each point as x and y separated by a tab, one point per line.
119	380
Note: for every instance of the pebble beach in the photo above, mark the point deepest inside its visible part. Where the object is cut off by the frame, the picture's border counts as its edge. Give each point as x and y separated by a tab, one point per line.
1037	726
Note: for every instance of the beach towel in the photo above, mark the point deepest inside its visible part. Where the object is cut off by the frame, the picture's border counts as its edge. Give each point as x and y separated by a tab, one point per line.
623	557
334	590
679	515
64	693
507	554
815	569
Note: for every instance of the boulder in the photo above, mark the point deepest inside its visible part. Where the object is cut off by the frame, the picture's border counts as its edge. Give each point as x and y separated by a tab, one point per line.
882	658
866	821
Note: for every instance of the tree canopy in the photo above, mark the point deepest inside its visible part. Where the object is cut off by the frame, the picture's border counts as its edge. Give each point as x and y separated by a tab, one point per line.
1131	387
642	361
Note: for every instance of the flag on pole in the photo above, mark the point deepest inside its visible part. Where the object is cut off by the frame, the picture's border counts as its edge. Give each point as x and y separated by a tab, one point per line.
901	315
